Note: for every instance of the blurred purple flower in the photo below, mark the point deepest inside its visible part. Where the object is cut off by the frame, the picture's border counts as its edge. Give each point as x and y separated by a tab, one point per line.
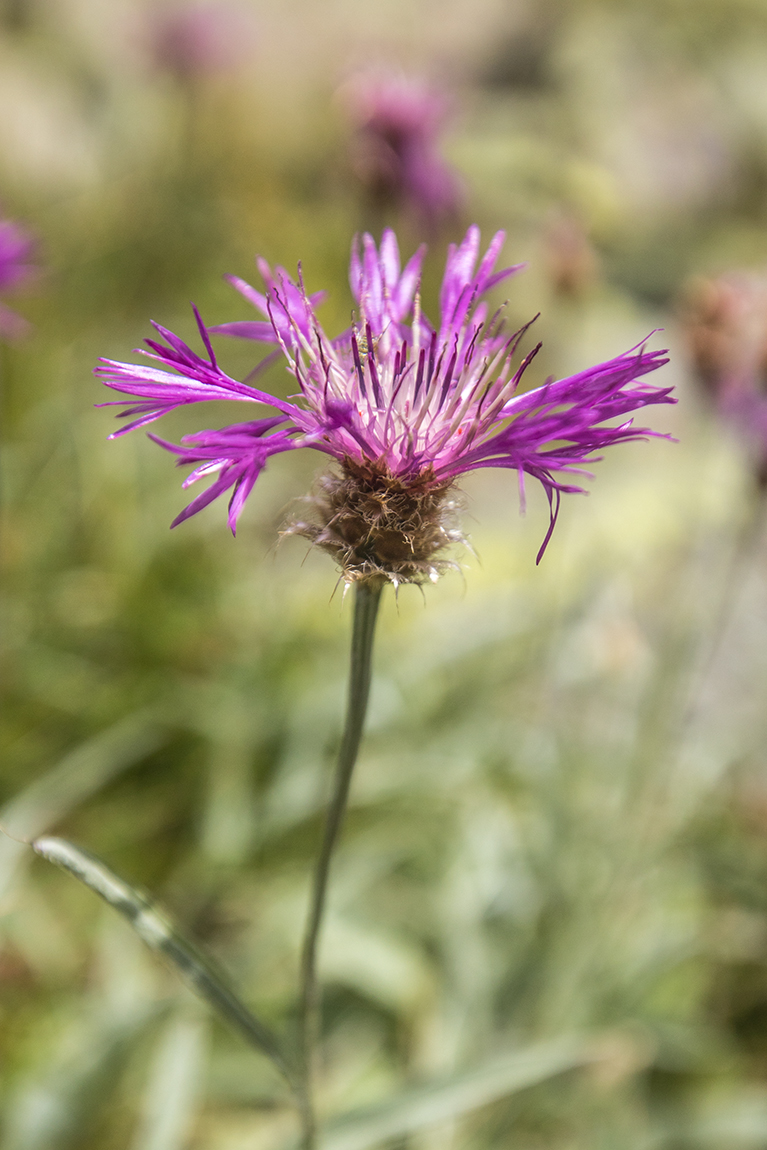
198	39
725	326
16	249
404	407
399	121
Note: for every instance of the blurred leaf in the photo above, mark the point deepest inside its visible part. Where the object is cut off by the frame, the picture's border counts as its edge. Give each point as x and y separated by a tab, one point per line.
452	1097
172	1094
79	774
377	962
159	933
738	1119
51	1110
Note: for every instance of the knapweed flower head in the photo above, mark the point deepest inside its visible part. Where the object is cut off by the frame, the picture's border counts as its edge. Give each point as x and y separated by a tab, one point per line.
399	121
16	268
402	406
725	325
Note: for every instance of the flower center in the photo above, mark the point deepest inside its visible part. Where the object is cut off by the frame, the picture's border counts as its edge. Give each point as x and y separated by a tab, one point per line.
382	526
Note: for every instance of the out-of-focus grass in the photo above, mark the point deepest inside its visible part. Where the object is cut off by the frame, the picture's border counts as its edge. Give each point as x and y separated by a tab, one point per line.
558	823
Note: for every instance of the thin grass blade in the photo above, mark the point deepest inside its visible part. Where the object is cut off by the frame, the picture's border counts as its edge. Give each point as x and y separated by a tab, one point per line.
159	933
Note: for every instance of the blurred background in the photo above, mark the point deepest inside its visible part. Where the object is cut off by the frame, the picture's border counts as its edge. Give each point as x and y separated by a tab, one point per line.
559	822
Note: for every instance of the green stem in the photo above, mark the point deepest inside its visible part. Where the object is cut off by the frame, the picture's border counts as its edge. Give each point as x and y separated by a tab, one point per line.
366	602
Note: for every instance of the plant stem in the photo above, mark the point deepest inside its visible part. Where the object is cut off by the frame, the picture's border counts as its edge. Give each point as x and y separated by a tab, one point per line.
366	602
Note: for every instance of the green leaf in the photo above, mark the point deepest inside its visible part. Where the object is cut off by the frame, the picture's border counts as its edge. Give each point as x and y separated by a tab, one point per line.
455	1096
159	933
172	1095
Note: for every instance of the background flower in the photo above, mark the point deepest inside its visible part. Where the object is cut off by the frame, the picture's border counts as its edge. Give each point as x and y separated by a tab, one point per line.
399	121
725	326
194	40
16	268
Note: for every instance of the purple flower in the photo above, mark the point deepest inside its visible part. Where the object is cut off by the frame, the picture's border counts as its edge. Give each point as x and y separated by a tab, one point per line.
403	407
395	152
16	249
200	39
